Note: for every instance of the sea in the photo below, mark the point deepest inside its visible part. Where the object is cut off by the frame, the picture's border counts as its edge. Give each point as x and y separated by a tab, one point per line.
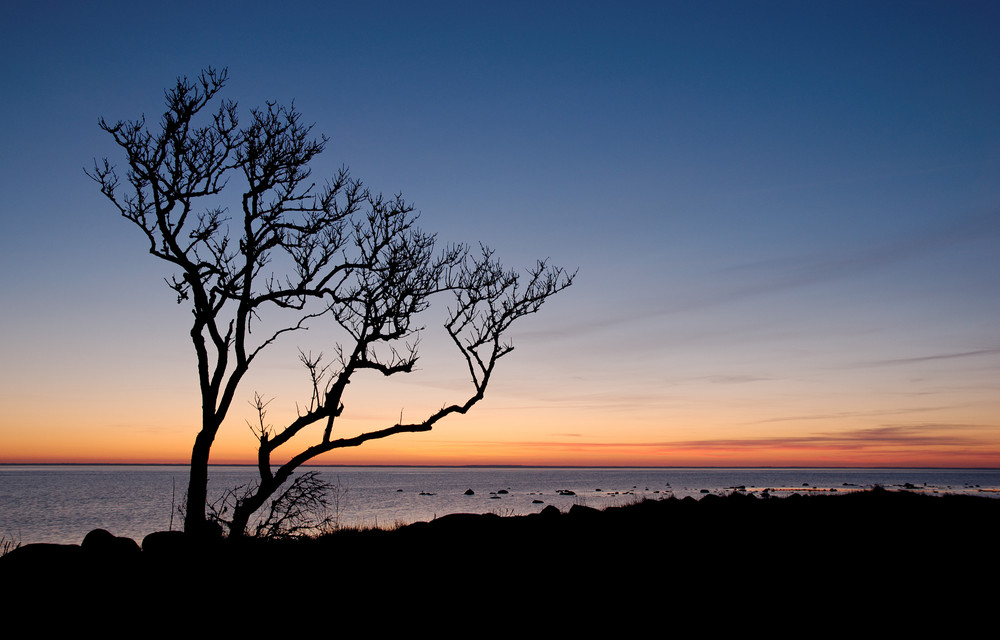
62	503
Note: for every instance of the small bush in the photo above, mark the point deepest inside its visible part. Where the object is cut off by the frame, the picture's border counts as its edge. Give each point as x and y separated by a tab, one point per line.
7	545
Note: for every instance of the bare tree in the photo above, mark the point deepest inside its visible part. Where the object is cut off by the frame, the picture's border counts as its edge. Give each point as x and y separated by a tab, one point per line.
300	252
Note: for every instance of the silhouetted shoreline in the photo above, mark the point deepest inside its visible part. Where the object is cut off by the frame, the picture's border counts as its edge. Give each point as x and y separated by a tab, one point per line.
893	543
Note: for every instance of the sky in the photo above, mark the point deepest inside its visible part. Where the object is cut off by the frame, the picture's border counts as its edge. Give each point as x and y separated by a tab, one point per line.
785	218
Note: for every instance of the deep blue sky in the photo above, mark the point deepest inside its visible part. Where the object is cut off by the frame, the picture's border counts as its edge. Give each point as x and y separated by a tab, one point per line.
786	215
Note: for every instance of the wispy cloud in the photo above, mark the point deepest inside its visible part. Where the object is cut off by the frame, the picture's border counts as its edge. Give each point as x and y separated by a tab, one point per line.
850	414
912	436
916	436
930	358
735	379
774	275
748	280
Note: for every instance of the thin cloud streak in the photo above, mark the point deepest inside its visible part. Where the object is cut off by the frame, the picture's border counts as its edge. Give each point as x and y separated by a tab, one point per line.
922	435
765	277
851	414
780	274
931	358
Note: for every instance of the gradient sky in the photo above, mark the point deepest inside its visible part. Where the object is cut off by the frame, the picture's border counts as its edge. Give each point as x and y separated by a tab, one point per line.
786	218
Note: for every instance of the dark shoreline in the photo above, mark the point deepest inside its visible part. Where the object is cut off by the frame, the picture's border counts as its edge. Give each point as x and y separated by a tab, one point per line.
897	538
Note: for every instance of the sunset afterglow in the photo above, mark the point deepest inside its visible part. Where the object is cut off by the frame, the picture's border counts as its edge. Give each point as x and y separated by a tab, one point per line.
785	218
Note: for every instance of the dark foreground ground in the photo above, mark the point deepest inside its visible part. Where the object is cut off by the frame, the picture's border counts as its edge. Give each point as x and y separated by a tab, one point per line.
901	556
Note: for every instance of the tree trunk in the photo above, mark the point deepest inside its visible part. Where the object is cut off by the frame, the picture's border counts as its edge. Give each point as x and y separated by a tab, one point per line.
197	494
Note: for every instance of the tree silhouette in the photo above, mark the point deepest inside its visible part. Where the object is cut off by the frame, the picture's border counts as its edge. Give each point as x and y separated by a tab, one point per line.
302	253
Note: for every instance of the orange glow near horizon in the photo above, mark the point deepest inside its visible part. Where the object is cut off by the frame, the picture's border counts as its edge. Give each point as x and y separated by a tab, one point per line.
636	456
459	444
524	421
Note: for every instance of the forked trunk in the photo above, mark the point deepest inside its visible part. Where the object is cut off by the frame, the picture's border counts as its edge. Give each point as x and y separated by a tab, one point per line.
242	512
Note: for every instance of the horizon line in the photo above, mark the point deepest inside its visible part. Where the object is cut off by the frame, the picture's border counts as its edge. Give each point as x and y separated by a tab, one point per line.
483	466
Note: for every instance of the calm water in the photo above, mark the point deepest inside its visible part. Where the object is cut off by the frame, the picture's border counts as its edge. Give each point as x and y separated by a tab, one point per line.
62	503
